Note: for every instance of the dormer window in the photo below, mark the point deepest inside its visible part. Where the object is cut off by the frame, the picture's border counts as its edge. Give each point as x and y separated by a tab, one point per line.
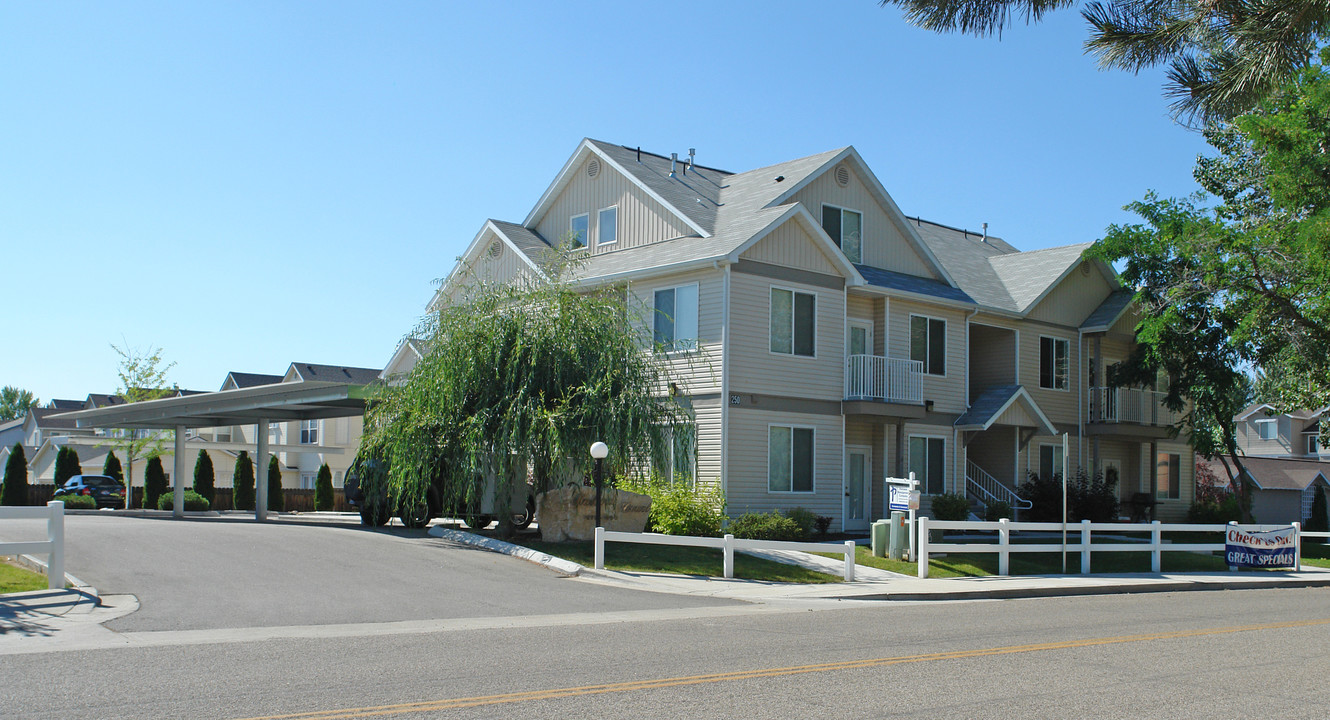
1265	429
845	227
579	229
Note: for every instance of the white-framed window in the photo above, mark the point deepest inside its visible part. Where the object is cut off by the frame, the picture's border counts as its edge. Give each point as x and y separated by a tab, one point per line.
793	322
674	322
1053	362
928	462
1050	461
607	226
859	339
274	432
1313	443
222	434
846	229
1265	429
790	459
307	480
309	432
683	454
1168	471
928	343
579	228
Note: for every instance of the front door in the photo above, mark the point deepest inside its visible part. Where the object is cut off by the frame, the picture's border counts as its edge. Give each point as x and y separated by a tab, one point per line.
857	464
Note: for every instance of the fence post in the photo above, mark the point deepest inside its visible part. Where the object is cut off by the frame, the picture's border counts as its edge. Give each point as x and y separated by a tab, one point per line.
1297	546
729	555
1004	547
55	533
600	548
1231	568
1156	546
849	561
1085	547
923	548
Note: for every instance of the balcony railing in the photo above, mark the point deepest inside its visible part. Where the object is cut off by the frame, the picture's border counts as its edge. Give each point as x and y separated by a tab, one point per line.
895	380
1130	405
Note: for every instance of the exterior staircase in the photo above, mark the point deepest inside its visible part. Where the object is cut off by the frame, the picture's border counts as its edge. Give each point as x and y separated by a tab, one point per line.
983	490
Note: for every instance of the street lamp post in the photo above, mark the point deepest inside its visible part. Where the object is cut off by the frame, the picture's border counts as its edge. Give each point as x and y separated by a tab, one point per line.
599	451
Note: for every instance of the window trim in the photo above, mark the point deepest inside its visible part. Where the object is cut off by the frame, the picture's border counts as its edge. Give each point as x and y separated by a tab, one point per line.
1267	422
862	324
909	333
812	459
1067	370
770	311
1057	446
1176	482
586	240
599	217
316	428
840	241
923	482
1311	443
697	341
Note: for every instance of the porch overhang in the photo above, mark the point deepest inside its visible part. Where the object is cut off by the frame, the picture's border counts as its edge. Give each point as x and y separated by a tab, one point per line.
1127	430
995	406
883	410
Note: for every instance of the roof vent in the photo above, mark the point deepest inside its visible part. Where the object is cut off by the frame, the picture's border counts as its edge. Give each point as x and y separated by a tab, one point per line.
593	168
1085	268
496	249
842	175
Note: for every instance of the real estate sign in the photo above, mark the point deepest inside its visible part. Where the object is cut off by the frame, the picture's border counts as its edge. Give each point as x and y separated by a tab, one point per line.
899	498
1261	549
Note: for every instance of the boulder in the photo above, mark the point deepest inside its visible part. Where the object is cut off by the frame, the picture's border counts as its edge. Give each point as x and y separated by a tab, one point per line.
569	512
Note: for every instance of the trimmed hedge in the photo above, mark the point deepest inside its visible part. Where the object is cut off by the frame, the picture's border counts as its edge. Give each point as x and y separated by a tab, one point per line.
950	506
194	502
765	526
78	502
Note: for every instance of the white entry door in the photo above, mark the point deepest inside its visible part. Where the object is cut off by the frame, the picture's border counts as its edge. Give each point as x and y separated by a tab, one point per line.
857	464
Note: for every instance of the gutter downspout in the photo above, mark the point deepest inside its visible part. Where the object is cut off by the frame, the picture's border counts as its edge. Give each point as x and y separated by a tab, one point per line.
724	378
955	444
1080	398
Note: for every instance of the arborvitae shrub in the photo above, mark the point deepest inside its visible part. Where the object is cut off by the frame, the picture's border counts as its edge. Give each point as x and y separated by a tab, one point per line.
276	498
323	489
1319	522
154	482
112	468
66	465
243	483
204	478
15	489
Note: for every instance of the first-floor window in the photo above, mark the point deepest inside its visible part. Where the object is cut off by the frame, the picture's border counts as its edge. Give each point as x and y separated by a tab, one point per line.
1050	461
307	480
928	463
1168	470
683	454
789	459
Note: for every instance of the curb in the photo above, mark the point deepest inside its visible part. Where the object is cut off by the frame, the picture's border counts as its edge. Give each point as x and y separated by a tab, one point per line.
563	567
1081	591
40	566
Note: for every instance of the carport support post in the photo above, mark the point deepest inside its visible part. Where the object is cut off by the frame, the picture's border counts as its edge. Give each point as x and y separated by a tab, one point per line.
261	473
178	491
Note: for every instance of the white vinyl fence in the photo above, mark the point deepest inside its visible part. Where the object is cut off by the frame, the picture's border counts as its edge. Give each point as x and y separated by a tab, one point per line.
728	544
54	544
1080	540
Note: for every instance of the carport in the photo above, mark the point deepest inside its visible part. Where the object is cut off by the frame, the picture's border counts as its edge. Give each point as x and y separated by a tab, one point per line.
258	406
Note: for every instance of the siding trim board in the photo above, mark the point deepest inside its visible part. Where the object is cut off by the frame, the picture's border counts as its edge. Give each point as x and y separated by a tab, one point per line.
776	403
788	274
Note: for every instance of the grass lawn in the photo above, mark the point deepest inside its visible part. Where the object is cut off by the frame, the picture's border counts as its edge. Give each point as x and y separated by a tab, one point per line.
981	564
678	560
16	579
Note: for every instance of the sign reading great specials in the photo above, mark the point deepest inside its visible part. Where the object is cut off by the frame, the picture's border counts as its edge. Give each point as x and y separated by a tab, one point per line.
1268	549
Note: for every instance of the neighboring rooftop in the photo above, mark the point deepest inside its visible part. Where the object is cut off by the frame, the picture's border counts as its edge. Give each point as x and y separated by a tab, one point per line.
244	379
336	373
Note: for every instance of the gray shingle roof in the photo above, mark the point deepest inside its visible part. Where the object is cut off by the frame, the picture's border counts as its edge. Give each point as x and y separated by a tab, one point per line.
1027	275
1109	311
244	379
911	283
1278	473
987	405
42	416
66	404
528	241
337	373
683	191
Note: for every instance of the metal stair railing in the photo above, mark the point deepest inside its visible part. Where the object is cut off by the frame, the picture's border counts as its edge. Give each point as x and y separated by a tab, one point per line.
989	489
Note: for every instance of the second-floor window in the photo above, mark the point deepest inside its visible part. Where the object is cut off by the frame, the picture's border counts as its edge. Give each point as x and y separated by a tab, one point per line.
309	432
845	227
928	343
579	228
675	320
1053	363
1265	429
608	226
793	322
1313	444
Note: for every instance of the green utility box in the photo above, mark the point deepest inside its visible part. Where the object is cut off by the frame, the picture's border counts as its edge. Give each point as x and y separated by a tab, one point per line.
881	530
899	540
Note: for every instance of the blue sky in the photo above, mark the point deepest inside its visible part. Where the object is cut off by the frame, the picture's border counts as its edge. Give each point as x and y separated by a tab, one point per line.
249	184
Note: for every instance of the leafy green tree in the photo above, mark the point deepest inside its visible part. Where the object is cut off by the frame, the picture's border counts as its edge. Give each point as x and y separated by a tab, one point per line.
111	467
276	497
323	489
15	403
204	479
142	376
66	465
521	374
15	488
154	482
242	483
1222	57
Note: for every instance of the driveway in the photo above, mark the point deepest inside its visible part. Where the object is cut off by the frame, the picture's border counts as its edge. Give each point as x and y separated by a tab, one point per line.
198	574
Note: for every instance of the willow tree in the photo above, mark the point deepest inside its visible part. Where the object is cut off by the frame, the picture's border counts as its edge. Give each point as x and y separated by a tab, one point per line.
517	377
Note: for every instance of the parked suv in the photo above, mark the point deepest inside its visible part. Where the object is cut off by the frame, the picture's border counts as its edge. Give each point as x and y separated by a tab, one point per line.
105	490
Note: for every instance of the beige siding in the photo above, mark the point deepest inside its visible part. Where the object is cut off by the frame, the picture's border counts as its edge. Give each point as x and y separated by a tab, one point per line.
1249	438
1072	300
947	392
708	416
791	246
747	477
994	450
992	358
884	241
954	481
860	307
1029	457
697	372
641	219
1061	407
755	369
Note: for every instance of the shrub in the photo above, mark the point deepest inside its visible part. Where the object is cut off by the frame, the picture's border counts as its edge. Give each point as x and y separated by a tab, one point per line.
243	482
78	502
804	518
1318	522
276	498
112	467
823	524
66	465
204	477
950	506
997	511
765	526
15	488
1088	498
1220	510
680	509
194	502
323	489
1045	496
154	482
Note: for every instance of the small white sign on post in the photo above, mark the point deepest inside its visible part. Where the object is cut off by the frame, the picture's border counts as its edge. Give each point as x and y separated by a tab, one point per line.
903	494
899	498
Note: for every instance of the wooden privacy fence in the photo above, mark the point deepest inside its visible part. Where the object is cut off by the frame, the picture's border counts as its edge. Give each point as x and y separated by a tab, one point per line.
728	544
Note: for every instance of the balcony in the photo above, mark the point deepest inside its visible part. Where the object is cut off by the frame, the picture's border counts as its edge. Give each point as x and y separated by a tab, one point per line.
890	380
1132	406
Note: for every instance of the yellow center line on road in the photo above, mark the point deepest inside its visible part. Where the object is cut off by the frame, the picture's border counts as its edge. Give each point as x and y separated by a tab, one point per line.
455	703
